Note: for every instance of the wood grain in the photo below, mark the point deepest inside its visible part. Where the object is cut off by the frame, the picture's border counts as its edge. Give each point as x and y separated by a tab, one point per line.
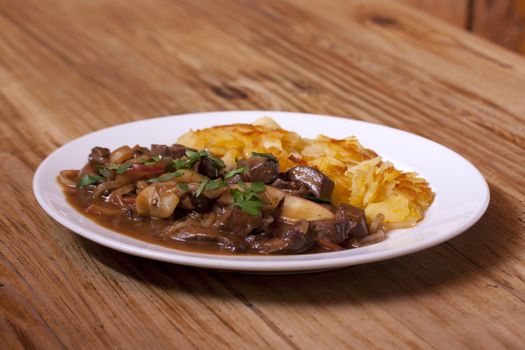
71	67
501	21
455	12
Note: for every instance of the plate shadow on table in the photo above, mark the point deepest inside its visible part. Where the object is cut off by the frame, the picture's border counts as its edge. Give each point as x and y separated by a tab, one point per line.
464	259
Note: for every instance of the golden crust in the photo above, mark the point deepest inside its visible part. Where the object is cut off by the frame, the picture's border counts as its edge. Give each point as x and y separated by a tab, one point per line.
361	177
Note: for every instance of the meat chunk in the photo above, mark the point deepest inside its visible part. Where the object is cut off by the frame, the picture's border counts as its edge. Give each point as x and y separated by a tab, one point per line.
355	220
319	184
289	239
291	187
99	156
235	220
161	151
200	234
261	169
200	204
179	150
334	231
208	168
175	151
349	222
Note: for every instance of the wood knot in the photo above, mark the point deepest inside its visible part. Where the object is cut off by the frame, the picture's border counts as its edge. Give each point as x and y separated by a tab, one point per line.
229	92
384	21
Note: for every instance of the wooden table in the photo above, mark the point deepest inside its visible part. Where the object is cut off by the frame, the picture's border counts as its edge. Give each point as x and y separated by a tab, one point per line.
70	67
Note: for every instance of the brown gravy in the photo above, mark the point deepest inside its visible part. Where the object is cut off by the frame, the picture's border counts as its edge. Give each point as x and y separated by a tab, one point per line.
146	229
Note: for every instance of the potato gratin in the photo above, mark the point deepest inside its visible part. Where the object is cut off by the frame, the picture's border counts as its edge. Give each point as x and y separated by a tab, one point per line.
361	177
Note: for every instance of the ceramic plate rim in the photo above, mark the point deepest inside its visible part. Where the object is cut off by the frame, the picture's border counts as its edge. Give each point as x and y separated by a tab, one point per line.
320	261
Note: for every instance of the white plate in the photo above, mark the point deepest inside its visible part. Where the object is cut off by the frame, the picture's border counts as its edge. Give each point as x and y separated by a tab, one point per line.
462	194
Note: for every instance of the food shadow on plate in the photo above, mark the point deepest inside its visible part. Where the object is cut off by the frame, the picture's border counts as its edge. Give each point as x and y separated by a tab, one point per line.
461	260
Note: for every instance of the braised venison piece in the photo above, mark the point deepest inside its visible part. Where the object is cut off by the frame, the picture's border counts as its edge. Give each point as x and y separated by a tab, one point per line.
349	222
190	199
319	184
294	188
259	168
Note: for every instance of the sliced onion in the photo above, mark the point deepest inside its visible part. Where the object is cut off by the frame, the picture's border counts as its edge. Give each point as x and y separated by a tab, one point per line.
141	185
65	177
396	225
209	220
376	223
156	201
109	185
121	154
378	236
177	226
116	196
329	245
215	193
189	176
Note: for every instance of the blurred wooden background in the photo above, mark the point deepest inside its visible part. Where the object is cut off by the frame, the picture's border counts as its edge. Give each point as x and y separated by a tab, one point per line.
502	21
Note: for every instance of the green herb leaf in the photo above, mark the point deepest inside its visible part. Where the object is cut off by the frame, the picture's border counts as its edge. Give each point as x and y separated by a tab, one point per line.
234	172
109	166
243	185
190	153
166	177
257	187
266	155
183	186
102	170
247	202
89	180
121	169
201	187
209	185
179	164
156	158
194	156
315	199
215	184
217	162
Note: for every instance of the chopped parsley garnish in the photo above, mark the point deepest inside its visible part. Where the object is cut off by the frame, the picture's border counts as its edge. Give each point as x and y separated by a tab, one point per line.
315	199
118	168
215	184
266	155
166	177
209	185
89	180
257	187
121	169
247	201
149	161
194	156
201	187
234	172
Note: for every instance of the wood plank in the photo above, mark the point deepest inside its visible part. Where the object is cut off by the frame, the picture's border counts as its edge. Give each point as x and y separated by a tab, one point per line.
501	21
452	11
71	67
